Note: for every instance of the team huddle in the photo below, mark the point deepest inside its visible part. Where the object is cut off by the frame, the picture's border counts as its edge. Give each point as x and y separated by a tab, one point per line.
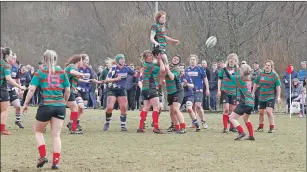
61	88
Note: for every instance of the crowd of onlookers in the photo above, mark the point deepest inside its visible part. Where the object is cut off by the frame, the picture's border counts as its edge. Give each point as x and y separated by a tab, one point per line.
298	81
98	93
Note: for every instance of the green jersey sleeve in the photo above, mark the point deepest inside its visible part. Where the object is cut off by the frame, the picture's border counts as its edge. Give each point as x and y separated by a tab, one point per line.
36	79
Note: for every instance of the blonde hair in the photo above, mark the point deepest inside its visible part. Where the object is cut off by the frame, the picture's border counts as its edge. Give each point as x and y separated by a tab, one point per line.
194	55
246	71
232	55
144	55
50	58
110	62
158	15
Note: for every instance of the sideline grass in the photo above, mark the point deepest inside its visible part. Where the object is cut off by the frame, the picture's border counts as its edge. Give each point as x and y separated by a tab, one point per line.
114	151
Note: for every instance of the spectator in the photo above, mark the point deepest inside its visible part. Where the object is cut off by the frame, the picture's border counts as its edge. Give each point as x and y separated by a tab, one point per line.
25	79
93	87
301	75
105	89
205	102
213	85
131	83
286	80
100	86
100	70
302	99
255	73
296	90
138	88
36	99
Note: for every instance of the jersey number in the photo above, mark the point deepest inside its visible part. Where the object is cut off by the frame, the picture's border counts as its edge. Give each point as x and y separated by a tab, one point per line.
53	80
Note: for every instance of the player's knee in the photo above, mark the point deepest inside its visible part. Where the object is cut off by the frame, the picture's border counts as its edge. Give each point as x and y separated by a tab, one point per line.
17	108
190	110
123	110
226	111
109	109
74	108
156	108
145	108
55	135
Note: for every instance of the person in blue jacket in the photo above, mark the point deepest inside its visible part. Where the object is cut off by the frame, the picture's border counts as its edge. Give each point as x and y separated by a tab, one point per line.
301	74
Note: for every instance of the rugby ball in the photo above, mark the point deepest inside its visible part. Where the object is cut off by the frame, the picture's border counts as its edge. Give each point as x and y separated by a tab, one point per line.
211	41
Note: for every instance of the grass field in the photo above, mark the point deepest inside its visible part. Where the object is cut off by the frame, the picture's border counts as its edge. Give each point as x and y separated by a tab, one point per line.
112	151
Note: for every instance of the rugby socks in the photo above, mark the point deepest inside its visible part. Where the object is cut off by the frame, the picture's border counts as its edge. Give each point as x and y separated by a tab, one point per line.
73	120
271	126
261	125
155	119
108	117
195	122
42	151
143	116
225	120
250	128
177	127
123	119
182	125
2	127
240	129
56	158
17	116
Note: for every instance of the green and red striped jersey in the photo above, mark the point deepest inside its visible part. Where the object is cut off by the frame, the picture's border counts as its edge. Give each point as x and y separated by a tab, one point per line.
72	79
267	83
172	86
52	85
160	31
227	85
150	75
5	70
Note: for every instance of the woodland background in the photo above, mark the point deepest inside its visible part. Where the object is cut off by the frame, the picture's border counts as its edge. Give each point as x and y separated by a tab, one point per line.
253	30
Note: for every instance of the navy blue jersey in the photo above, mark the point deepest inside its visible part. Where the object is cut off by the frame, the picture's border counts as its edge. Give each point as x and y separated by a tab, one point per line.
83	86
25	79
122	72
14	75
187	91
197	75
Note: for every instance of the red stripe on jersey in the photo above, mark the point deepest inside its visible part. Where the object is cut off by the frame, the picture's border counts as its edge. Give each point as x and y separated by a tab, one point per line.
46	80
267	92
55	88
56	72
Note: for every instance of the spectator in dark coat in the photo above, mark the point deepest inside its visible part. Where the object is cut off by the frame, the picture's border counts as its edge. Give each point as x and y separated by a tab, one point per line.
205	97
213	85
255	73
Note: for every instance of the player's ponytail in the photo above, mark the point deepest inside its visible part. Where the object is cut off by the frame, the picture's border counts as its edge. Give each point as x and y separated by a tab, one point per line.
246	72
74	59
50	58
